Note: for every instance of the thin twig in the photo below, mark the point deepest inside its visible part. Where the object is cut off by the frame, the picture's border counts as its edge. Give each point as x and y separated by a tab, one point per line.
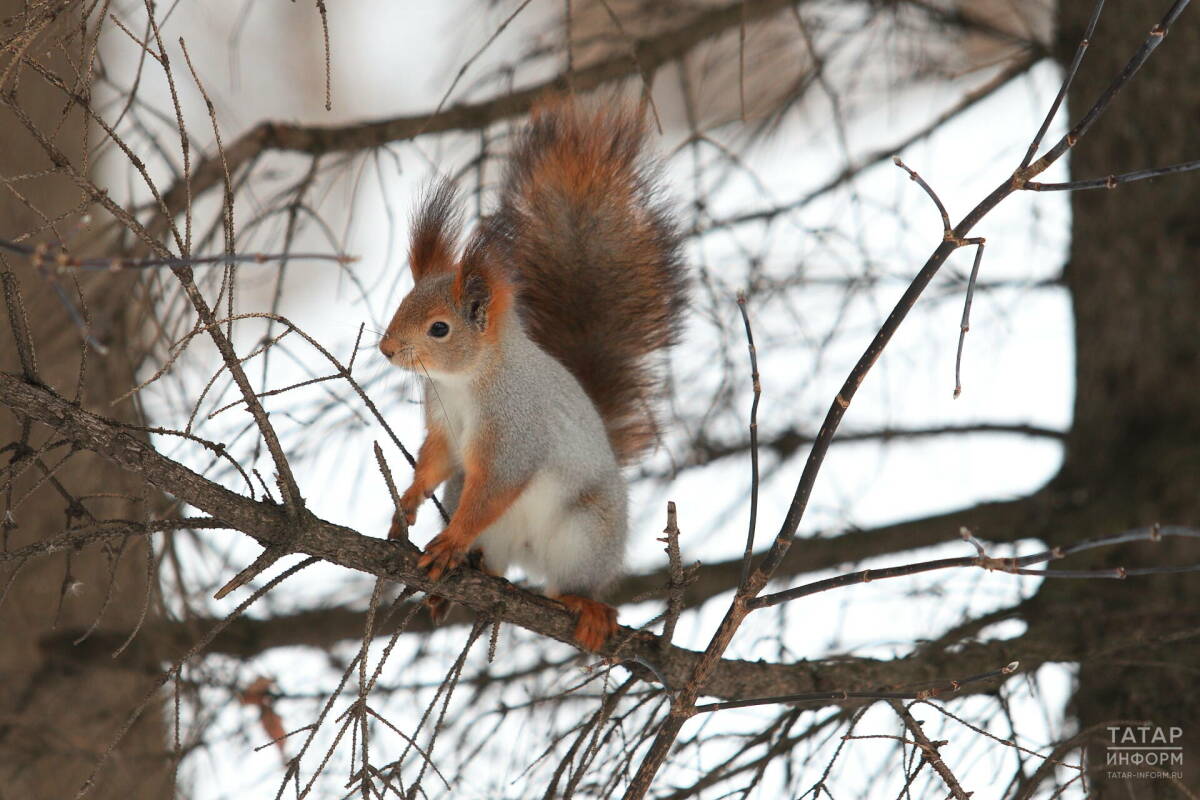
676	581
1156	36
965	324
328	66
475	57
756	385
947	229
1073	68
395	495
1013	566
929	751
1111	181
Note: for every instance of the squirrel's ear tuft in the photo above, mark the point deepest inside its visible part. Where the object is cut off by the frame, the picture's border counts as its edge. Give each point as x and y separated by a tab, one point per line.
481	288
476	298
435	230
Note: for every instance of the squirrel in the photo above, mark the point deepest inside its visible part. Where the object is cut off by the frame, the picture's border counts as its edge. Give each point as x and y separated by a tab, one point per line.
536	343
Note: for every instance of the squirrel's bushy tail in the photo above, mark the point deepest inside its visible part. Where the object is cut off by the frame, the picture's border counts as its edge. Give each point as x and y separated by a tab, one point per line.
596	258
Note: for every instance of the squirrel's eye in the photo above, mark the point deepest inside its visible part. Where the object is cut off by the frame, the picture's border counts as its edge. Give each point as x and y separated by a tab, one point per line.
438	329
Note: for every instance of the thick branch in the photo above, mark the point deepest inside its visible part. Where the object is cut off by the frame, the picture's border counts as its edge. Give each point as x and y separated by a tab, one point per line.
324	627
268	524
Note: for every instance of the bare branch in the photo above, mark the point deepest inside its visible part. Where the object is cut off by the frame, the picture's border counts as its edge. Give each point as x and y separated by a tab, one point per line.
1112	181
929	751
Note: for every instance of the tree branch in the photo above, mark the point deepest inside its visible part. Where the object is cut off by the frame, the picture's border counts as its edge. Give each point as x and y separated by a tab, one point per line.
324	627
929	751
269	524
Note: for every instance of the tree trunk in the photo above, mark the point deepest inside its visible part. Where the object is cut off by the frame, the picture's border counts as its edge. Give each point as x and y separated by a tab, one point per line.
58	715
1133	454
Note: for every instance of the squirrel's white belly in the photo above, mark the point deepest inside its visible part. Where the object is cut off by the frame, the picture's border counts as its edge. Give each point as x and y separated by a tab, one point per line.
537	533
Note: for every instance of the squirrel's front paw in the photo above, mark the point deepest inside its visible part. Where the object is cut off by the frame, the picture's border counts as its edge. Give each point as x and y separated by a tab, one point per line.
446	552
410	501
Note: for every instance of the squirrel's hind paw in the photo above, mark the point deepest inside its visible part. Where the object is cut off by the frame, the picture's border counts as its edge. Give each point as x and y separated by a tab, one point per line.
597	621
444	553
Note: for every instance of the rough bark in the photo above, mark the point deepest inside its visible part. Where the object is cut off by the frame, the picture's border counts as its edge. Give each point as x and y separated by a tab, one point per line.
1133	453
58	714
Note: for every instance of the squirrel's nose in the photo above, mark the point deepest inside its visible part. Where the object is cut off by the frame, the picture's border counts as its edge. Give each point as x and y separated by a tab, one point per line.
388	347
